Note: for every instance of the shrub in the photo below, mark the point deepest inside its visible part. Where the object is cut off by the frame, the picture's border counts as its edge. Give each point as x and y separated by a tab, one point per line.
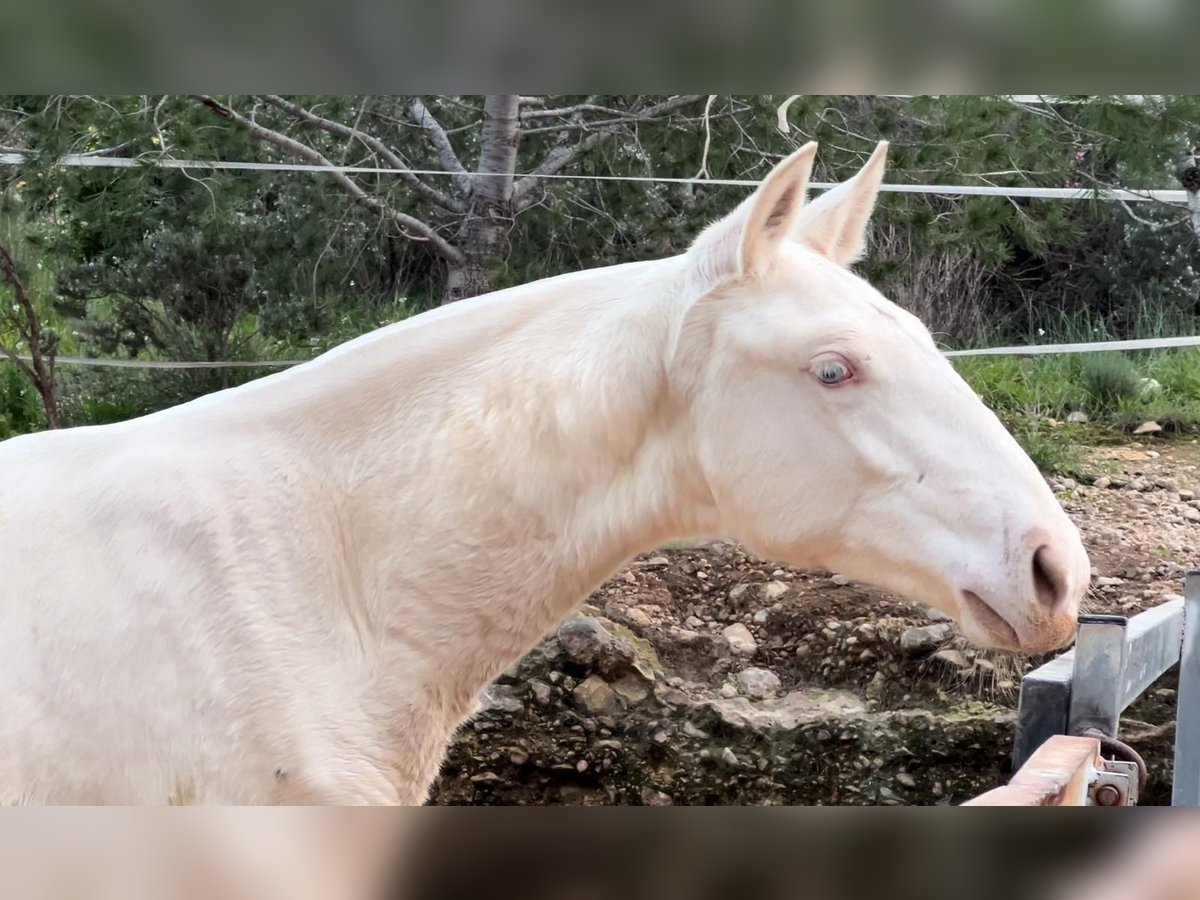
1112	381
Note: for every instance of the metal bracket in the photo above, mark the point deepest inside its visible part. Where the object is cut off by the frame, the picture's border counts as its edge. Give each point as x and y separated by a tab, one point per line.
1115	783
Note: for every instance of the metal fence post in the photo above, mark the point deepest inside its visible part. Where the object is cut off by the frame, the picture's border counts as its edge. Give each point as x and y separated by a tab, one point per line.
1043	707
1185	790
1096	684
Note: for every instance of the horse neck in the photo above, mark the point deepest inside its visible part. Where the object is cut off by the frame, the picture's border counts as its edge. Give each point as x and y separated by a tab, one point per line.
504	460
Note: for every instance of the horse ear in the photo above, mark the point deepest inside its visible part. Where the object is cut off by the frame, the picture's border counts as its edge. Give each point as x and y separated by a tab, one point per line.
745	241
835	224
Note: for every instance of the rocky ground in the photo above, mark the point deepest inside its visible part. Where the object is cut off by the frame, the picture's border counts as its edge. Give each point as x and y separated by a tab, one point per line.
703	675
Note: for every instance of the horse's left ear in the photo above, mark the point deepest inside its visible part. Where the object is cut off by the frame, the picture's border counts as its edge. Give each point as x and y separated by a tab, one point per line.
746	241
835	224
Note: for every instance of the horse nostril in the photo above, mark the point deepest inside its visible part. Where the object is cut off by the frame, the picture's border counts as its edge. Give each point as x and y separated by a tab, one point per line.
1049	578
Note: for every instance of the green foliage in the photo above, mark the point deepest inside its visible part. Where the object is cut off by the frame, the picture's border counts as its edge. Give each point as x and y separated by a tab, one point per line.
1045	387
1055	451
162	264
1111	380
20	408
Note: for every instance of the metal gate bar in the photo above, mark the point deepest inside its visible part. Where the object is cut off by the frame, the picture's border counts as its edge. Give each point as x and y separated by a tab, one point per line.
1185	788
1114	661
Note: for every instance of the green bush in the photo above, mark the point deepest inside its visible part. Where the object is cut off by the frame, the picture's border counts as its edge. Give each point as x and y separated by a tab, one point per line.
1112	381
20	407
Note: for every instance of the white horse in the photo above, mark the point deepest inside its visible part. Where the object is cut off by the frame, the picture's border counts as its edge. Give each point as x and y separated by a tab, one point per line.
293	591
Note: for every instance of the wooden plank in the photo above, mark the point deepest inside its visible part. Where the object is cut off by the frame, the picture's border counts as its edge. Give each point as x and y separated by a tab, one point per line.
1056	775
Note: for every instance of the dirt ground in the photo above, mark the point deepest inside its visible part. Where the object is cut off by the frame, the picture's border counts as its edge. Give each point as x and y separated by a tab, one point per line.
703	675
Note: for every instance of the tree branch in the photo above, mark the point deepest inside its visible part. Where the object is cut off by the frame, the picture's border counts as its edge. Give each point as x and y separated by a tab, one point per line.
441	143
412	228
564	111
561	157
36	371
432	194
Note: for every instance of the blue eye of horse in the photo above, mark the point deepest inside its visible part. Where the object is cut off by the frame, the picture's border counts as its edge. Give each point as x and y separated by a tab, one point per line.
832	373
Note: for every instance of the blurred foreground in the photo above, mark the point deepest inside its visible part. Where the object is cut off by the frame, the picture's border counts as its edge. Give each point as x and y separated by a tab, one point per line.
298	854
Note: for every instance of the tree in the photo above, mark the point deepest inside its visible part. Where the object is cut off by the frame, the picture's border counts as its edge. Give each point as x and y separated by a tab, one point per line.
21	317
464	222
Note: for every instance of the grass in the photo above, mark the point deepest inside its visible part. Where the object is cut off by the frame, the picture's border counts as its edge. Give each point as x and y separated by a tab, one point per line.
1117	392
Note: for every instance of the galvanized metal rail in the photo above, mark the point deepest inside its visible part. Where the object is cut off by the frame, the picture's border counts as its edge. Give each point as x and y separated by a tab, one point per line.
1083	692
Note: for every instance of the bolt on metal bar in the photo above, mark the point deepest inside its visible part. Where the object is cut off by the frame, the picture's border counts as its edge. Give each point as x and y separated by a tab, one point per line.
1185	790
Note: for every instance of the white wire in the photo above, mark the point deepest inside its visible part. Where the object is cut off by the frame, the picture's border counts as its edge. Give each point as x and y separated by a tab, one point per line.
1026	350
1160	195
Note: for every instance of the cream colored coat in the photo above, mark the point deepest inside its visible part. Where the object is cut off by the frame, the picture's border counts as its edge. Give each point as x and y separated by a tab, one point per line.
294	590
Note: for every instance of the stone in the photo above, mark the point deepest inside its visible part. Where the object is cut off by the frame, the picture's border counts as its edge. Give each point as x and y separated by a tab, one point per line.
758	683
693	622
595	696
760	617
925	638
840	580
905	779
584	639
1108	581
1191	514
773	590
1077	418
1148	428
936	615
541	691
1102	482
637	617
728	690
670	696
729	757
693	732
741	641
631	688
651	797
500	698
1186	495
875	686
787	712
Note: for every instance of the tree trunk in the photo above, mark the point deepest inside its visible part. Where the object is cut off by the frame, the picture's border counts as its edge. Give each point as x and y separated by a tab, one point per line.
40	368
483	242
49	395
483	237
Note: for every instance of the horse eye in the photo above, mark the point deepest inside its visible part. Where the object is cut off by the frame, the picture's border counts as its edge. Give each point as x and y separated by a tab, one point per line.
832	371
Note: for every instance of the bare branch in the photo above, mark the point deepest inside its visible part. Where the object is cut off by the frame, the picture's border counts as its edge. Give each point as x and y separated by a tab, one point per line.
561	157
1153	226
412	228
372	143
441	143
565	111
